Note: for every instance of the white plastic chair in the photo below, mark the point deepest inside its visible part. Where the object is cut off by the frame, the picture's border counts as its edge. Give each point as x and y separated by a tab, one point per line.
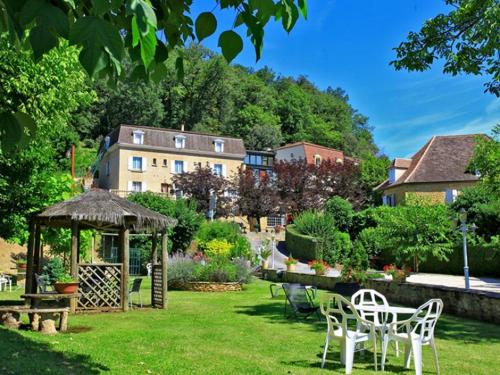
414	333
348	327
370	297
149	268
4	280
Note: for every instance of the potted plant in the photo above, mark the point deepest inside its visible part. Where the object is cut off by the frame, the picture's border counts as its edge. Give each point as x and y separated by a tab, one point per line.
350	281
399	275
319	266
56	275
291	263
65	284
265	253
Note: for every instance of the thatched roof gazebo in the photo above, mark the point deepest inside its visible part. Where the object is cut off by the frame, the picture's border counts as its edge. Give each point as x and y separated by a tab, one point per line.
104	285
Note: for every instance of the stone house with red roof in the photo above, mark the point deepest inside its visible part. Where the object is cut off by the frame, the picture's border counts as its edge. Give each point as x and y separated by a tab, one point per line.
437	171
311	153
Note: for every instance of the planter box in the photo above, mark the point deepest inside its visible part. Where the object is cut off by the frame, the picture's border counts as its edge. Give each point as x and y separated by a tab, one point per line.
346	289
66	288
206	286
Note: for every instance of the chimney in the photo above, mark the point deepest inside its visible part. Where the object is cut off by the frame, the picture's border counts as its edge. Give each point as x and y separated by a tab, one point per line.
182	127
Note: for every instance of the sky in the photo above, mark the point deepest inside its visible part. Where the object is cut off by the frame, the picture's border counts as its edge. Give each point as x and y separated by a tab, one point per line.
349	44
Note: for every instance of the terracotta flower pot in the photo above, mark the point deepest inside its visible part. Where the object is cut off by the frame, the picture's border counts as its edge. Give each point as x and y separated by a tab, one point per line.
66	288
320	272
22	266
290	267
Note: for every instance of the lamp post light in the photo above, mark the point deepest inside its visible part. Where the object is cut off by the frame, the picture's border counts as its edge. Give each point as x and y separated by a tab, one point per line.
273	239
464	229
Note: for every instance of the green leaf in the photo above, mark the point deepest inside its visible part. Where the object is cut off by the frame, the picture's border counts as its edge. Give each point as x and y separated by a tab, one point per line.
231	44
100	7
205	25
93	60
46	14
303	8
148	47
135	32
161	51
16	129
42	41
145	14
94	35
160	71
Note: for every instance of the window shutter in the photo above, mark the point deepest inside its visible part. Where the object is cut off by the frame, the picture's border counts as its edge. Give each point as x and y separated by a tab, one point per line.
172	166
384	200
144	186
184	167
130	162
129	186
144	164
223	170
448	196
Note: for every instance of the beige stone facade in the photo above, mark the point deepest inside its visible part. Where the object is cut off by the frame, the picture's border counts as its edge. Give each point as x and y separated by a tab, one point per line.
127	167
435	192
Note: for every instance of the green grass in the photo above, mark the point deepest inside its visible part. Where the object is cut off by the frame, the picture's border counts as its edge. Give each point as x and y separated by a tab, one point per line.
229	333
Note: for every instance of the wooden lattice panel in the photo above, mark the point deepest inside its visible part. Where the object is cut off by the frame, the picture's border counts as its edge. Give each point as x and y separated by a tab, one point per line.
100	286
157	295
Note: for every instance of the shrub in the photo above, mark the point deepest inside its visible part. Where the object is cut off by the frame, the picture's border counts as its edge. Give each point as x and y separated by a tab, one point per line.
482	203
180	270
368	218
216	271
226	231
341	211
218	229
218	249
243	270
241	248
314	223
414	231
302	246
371	240
188	220
336	247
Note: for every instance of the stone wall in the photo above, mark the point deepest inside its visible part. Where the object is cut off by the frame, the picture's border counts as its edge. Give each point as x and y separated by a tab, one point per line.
472	304
202	286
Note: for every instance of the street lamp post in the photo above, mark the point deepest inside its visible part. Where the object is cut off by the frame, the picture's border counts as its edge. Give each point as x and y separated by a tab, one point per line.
464	229
273	239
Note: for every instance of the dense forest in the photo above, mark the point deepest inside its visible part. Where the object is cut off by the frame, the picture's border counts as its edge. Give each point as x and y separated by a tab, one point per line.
262	107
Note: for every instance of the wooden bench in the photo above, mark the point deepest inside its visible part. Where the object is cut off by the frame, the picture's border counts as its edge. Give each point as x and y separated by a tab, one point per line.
42	319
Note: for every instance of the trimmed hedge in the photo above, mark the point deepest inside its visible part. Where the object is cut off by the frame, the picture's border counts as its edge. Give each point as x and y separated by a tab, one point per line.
482	262
301	246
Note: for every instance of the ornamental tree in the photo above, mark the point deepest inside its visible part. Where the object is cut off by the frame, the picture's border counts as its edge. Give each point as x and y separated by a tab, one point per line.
200	184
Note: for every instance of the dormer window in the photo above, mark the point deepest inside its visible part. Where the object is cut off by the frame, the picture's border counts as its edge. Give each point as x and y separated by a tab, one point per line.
317	160
180	141
219	145
138	137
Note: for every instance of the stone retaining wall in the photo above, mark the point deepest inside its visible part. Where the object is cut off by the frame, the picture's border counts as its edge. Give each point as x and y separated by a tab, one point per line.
203	286
473	304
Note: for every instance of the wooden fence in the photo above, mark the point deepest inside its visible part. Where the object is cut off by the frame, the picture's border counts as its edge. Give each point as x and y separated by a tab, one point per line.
100	286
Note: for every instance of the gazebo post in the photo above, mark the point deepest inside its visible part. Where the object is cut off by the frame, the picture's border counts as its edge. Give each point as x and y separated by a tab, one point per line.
36	259
154	257
74	258
29	258
125	256
164	261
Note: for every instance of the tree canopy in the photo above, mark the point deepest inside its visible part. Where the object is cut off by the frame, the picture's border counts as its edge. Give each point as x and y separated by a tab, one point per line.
144	31
467	38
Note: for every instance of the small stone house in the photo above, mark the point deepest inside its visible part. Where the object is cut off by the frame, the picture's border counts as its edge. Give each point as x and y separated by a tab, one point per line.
437	171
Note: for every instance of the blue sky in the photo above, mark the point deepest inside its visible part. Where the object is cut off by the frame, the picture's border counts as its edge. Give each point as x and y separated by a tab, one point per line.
349	44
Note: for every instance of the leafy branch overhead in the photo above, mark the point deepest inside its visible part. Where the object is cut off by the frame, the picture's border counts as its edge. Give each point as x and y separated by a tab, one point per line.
145	30
467	39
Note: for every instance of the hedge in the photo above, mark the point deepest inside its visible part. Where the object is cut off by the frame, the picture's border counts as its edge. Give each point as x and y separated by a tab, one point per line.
301	246
482	262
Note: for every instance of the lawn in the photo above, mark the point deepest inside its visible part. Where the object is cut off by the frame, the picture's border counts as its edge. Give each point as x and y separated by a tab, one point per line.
230	333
